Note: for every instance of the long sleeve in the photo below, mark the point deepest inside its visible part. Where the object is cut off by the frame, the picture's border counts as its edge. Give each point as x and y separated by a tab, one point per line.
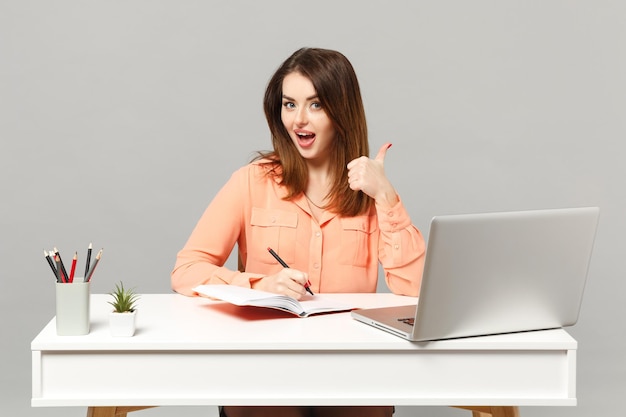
202	258
401	249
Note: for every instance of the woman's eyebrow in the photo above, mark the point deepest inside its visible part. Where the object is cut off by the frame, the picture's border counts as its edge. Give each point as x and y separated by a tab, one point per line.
286	97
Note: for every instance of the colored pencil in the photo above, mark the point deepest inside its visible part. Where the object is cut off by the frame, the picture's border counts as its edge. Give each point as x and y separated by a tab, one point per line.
89	249
63	270
73	269
51	263
57	259
93	267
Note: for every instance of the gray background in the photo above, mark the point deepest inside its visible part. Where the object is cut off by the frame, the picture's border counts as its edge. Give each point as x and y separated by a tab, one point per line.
119	121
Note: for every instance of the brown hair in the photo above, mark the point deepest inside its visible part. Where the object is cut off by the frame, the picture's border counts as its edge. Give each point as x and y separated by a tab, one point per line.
337	88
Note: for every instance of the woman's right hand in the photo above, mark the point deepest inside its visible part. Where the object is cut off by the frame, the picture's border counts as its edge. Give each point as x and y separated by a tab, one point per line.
288	282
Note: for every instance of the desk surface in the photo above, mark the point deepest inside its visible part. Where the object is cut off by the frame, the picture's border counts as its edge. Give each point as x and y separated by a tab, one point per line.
194	351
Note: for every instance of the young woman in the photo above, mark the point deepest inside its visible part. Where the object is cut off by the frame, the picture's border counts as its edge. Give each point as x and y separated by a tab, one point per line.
317	199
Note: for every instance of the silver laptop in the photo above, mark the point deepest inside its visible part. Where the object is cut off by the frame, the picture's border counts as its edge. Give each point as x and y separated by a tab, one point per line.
497	273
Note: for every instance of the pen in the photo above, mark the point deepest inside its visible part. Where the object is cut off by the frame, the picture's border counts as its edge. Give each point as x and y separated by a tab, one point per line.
88	259
93	267
73	269
280	261
51	263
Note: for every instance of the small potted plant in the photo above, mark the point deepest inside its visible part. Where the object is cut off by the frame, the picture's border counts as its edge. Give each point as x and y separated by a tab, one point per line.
122	318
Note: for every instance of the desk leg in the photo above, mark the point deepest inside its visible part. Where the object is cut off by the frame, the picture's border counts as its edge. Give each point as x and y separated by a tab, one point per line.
493	411
112	411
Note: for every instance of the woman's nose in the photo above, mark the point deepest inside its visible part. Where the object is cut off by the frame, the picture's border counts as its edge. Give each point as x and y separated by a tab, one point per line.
301	116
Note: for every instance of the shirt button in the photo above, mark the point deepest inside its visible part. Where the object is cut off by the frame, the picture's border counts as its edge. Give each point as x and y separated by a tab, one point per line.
396	246
316	265
318	234
390	214
273	220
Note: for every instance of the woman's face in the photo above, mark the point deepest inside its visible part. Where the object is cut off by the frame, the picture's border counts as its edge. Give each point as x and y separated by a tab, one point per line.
309	127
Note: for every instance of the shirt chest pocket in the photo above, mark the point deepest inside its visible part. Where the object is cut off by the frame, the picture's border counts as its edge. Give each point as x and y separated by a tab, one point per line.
356	235
275	229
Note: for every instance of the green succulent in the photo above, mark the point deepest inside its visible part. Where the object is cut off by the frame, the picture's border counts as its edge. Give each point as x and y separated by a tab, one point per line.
123	299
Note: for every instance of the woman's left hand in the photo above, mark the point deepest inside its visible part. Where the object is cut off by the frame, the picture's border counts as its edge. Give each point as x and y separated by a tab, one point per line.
368	175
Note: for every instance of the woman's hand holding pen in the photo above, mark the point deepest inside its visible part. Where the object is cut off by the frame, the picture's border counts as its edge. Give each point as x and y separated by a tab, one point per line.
368	175
288	281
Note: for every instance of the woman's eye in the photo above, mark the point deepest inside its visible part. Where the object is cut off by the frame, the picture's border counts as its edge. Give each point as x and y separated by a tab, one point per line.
316	105
289	105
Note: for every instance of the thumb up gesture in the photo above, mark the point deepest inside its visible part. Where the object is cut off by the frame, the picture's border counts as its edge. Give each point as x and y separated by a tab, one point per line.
368	175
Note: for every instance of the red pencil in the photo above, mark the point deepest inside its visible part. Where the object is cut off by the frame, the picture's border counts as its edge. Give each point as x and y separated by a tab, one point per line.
73	266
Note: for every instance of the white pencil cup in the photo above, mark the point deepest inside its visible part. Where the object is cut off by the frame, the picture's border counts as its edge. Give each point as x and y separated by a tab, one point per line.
72	308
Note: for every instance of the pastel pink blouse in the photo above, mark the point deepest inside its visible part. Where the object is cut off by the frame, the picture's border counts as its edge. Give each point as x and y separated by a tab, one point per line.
340	254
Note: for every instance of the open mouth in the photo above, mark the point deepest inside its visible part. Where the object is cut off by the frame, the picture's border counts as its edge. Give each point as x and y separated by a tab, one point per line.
305	139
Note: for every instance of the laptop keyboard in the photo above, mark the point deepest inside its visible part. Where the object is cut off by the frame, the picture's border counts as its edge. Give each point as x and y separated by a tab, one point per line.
409	320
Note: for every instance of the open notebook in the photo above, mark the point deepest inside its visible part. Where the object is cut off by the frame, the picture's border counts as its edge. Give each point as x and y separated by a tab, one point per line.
249	297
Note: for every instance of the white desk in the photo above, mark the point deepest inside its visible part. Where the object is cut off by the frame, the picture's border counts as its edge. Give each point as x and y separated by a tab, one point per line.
193	351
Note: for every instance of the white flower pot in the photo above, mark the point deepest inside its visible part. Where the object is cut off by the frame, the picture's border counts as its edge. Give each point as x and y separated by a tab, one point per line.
122	324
